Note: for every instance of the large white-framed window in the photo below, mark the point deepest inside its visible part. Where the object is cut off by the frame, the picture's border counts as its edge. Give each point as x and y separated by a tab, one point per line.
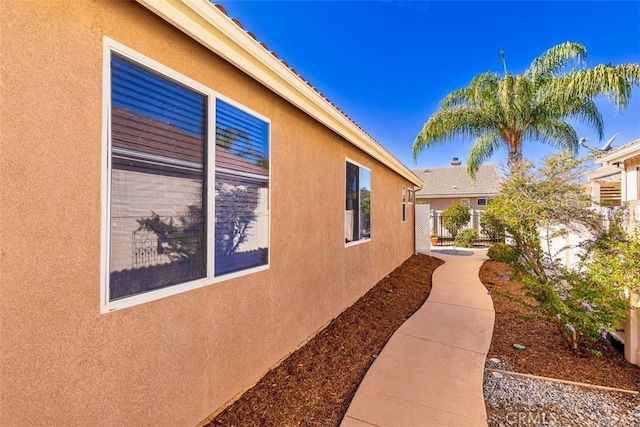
186	179
357	215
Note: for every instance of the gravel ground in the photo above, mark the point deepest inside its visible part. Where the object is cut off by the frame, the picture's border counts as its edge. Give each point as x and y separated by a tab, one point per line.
517	401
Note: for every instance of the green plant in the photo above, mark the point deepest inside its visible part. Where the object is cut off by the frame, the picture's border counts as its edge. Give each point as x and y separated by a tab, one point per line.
504	110
503	252
538	205
466	238
454	218
492	227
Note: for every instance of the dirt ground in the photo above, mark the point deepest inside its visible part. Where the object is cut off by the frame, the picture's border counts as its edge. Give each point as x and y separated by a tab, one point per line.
546	353
314	385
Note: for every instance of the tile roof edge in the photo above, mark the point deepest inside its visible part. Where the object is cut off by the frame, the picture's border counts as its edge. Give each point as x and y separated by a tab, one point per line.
334	118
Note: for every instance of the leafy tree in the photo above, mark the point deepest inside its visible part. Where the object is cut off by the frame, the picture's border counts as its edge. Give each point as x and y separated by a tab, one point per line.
537	205
454	218
535	105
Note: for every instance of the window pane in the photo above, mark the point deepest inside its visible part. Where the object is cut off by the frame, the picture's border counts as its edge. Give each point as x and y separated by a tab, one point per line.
242	190
157	218
351	216
242	140
242	223
357	214
365	203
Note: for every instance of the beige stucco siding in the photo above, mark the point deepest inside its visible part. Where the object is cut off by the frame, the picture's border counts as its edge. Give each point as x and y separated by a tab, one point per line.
632	182
173	361
444	203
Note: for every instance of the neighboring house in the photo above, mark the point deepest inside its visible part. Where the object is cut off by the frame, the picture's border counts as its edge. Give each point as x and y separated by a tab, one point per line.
620	169
445	186
160	251
617	180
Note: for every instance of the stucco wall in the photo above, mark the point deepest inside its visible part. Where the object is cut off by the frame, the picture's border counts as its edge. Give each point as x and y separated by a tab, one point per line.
174	361
632	179
443	203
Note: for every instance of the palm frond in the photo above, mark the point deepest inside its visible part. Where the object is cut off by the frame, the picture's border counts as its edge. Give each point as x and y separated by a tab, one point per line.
613	82
482	150
556	133
563	105
555	59
455	98
480	87
587	112
461	121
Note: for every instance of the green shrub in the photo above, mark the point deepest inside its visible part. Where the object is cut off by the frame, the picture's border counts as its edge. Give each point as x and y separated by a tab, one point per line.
466	238
503	252
492	227
454	218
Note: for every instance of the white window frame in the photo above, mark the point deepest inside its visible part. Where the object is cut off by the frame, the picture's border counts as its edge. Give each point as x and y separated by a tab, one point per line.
344	184
410	196
486	201
404	204
111	46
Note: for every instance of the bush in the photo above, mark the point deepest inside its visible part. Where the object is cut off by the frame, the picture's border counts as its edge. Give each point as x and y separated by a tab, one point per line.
454	218
466	238
492	227
587	300
503	252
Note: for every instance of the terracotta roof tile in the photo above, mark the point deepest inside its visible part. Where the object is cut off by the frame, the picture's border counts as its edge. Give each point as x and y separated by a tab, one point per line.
222	9
239	24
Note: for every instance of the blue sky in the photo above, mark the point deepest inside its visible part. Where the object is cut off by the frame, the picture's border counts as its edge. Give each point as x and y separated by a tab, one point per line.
388	64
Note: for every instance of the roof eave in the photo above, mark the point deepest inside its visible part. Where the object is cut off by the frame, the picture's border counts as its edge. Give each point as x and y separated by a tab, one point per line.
620	154
208	25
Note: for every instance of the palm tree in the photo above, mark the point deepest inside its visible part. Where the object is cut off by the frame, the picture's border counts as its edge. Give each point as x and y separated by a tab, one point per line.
535	105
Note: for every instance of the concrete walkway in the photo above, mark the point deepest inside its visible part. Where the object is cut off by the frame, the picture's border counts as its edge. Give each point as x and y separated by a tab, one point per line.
430	373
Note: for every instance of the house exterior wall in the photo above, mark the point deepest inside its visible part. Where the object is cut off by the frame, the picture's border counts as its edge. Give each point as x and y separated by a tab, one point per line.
629	184
443	203
176	360
632	184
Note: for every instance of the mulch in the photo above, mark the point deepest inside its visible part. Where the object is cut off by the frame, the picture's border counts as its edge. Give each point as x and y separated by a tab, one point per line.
315	384
546	353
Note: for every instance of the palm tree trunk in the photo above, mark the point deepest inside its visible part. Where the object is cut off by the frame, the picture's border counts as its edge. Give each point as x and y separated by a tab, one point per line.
514	159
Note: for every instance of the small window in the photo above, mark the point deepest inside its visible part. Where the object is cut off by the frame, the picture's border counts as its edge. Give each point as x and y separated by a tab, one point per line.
410	197
357	216
482	202
404	204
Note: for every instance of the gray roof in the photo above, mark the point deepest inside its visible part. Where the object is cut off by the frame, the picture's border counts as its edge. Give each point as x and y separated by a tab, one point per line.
453	181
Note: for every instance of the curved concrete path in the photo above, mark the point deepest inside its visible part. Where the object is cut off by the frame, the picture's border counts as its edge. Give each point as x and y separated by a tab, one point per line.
430	373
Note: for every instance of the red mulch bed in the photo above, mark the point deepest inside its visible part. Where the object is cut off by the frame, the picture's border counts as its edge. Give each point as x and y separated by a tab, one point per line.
546	353
315	384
